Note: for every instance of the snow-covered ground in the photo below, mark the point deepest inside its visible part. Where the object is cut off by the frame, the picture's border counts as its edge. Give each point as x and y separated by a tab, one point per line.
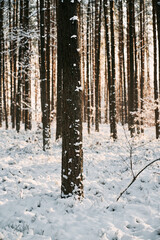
30	204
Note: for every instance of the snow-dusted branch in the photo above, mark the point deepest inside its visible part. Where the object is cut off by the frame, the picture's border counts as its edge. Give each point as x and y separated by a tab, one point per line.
135	177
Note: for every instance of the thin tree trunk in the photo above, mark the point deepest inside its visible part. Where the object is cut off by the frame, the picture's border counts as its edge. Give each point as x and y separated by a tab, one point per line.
135	72
1	77
120	55
11	60
59	74
19	88
4	84
106	7
142	24
15	25
54	53
98	4
26	64
158	29
87	70
131	70
48	57
43	79
155	69
93	62
113	91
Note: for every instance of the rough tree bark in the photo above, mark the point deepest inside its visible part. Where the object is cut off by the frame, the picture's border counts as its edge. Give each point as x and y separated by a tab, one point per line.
72	153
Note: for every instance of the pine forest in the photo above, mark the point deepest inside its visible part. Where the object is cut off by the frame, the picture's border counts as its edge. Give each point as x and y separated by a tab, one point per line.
79	119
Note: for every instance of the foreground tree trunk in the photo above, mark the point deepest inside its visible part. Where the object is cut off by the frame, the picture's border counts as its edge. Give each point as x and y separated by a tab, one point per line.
72	153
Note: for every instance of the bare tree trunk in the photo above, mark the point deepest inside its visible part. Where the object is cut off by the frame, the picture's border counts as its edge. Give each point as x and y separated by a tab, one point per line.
106	7
1	77
131	70
26	64
113	91
93	62
4	84
83	60
48	66
54	53
59	74
72	153
158	29
155	69
43	80
120	55
87	70
136	103
19	87
15	25
142	31
98	5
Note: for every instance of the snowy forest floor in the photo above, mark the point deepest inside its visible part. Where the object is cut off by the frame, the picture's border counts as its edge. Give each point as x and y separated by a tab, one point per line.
30	183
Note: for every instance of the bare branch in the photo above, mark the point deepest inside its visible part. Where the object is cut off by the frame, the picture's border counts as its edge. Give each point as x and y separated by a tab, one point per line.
135	177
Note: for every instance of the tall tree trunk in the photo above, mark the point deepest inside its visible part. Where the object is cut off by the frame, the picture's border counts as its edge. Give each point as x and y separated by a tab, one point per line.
4	83
48	57
54	53
48	66
1	61
107	39
72	153
26	64
19	87
155	68
131	69
124	69
10	59
142	24
43	79
87	69
113	91
83	61
15	25
158	29
93	62
98	4
136	102
128	61
59	73
120	55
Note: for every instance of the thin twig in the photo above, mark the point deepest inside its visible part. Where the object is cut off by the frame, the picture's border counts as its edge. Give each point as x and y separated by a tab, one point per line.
135	177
